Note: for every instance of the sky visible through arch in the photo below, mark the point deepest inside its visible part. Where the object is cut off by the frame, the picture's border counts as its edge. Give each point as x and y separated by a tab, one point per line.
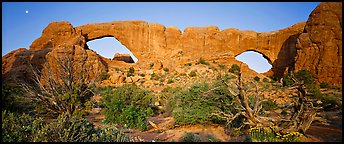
23	22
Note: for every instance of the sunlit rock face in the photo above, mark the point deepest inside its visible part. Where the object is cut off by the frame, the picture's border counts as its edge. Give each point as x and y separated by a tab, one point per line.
315	45
319	47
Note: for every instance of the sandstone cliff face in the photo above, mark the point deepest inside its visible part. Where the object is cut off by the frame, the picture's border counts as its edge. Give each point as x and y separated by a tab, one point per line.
58	42
319	47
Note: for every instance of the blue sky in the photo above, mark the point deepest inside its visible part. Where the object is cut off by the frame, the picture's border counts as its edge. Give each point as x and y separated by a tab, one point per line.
23	22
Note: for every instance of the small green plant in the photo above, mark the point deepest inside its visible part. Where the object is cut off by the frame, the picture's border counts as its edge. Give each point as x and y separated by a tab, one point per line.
170	80
151	65
190	137
324	85
211	138
269	105
104	76
202	61
166	69
188	64
222	66
131	72
234	69
256	78
142	75
266	80
192	73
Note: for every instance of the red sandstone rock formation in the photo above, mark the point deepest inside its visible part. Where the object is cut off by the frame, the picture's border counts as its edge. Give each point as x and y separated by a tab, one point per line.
152	43
319	47
123	57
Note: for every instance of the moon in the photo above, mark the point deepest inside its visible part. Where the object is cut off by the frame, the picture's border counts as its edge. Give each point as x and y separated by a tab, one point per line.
27	11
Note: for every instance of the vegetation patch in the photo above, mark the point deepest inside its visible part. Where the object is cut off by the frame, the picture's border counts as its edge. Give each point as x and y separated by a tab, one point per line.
128	105
202	61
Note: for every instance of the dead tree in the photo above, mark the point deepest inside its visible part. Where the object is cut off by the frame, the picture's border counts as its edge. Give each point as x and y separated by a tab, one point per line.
303	114
63	85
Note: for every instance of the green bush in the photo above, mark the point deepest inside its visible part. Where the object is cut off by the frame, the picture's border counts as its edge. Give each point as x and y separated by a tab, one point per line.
151	65
190	106
324	85
269	105
110	134
222	66
66	128
192	73
104	76
128	105
190	137
13	99
19	127
234	69
170	80
211	138
266	80
202	61
142	75
131	72
256	78
166	69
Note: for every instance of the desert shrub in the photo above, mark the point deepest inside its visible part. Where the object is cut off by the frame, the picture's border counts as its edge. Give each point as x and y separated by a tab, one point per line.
324	85
104	76
202	61
19	127
192	73
306	76
222	66
266	134
166	69
211	138
266	80
188	64
190	137
142	75
287	80
131	71
269	105
110	134
67	128
234	69
13	99
332	101
128	105
151	65
170	80
191	106
256	78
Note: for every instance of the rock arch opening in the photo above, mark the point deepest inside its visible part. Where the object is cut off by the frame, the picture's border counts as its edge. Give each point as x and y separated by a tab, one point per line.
111	48
255	61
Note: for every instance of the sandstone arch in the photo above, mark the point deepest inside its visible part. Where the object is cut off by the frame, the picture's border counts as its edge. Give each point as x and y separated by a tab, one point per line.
316	47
